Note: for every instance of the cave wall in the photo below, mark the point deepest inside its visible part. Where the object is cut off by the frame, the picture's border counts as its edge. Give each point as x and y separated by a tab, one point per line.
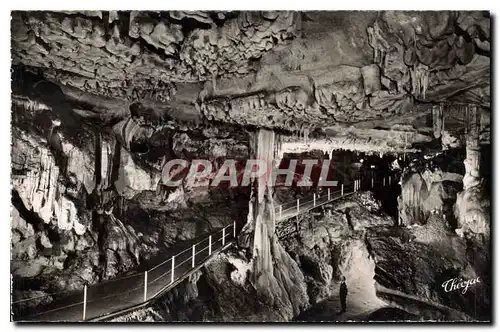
86	208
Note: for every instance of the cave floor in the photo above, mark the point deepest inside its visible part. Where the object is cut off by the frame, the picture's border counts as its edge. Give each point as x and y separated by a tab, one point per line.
359	308
329	311
125	291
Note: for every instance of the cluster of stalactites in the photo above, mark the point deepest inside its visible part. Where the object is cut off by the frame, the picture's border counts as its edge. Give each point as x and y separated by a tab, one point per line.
302	134
438	120
419	80
473	153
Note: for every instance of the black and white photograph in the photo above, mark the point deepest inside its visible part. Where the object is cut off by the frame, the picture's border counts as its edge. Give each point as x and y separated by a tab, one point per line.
250	166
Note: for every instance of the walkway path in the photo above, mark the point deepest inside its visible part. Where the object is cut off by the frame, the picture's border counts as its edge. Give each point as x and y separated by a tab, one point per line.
294	208
123	294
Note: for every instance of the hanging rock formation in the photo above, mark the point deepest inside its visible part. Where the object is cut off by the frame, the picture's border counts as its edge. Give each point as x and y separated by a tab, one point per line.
276	285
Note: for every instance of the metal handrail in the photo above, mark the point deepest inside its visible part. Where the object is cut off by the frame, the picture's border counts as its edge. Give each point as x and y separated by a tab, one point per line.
148	282
317	201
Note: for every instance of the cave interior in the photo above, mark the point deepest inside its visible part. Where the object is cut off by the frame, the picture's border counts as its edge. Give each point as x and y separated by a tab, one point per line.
103	100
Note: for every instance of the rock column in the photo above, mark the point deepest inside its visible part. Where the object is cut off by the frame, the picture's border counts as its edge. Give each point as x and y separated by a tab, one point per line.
473	151
437	120
283	286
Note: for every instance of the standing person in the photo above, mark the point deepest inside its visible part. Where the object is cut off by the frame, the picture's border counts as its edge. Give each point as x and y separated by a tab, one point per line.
343	294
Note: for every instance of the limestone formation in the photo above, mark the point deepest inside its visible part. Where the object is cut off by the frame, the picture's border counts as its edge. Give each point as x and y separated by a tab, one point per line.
396	102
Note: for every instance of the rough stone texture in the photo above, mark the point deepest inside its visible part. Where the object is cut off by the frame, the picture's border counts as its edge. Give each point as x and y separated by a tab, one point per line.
40	187
420	267
133	179
80	44
430	192
409	46
326	244
86	207
232	66
472	210
212	295
102	100
378	262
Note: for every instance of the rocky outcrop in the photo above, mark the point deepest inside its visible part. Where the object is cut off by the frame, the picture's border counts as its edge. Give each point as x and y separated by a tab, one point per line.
217	295
421	266
327	245
408	46
41	187
133	179
86	210
229	66
431	192
70	46
472	210
258	236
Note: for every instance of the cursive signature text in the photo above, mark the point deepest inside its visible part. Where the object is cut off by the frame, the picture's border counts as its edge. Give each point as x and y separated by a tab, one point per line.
456	283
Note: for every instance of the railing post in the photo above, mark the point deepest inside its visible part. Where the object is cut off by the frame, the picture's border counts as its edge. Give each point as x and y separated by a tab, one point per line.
84	302
145	286
193	255
223	236
383	182
328	193
314	199
234	229
172	273
390	176
342	189
209	245
372	181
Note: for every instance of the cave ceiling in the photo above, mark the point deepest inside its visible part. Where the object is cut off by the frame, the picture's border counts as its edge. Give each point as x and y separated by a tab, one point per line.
327	72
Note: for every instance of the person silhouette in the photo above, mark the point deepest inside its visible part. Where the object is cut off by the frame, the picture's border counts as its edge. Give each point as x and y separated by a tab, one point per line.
343	294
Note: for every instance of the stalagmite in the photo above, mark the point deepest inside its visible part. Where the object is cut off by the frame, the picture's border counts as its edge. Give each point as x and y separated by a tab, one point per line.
420	80
437	120
473	152
263	213
277	285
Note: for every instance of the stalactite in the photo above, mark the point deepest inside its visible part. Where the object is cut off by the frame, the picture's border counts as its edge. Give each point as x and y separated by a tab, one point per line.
98	163
473	154
438	120
471	207
414	192
420	80
277	285
305	135
278	151
126	130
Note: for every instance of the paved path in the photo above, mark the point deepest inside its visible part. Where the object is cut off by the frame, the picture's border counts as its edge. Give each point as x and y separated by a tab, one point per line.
290	210
361	303
128	291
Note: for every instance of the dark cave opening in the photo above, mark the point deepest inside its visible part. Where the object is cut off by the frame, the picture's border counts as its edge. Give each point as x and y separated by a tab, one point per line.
344	167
